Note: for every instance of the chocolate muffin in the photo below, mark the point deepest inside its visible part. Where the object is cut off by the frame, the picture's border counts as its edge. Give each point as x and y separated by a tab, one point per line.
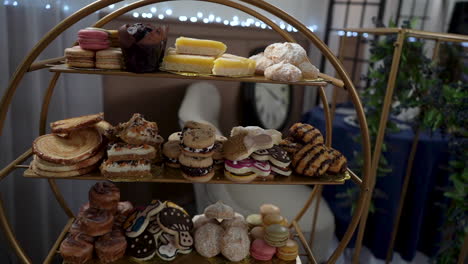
143	46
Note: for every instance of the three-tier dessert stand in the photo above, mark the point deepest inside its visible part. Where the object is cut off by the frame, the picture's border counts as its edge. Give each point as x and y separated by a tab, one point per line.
56	66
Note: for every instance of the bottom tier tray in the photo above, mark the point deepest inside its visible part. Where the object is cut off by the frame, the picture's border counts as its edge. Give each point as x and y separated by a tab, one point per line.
175	176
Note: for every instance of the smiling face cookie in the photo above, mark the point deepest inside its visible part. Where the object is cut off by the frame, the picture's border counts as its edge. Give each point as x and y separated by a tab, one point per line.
177	223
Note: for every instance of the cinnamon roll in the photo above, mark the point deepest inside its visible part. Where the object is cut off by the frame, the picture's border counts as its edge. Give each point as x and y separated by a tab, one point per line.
104	195
76	249
111	246
96	222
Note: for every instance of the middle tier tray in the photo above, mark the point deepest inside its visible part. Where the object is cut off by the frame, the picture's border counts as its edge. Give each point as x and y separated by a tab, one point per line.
63	68
170	175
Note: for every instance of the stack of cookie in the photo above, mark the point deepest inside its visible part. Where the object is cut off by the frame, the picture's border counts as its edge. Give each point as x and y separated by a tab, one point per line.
160	228
197	148
138	147
98	227
252	152
310	155
73	148
222	231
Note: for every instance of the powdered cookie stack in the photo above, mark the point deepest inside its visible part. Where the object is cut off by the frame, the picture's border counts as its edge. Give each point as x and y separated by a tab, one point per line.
133	155
74	148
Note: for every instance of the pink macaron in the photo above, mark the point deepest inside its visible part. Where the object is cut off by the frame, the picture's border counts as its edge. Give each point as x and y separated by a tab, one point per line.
93	39
260	250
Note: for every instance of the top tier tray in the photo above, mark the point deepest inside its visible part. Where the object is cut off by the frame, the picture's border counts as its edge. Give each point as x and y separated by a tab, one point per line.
63	68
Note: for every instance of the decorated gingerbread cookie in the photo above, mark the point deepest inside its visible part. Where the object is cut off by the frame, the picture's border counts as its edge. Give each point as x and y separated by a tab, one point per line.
177	223
167	249
142	247
140	218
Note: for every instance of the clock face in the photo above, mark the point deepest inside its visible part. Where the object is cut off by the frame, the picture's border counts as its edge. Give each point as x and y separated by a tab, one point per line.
272	102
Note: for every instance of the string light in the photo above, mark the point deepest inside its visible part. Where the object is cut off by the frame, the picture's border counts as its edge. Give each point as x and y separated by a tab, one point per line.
263	26
349	34
193	19
65	7
206	20
169	12
112	6
143	15
161	16
341	33
365	35
149	15
183	18
211	17
257	24
282	26
289	28
6	2
218	20
15	3
47	6
136	14
226	22
235	18
199	14
153	10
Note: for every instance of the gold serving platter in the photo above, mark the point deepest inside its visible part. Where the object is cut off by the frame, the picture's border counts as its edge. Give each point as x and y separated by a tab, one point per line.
170	175
63	68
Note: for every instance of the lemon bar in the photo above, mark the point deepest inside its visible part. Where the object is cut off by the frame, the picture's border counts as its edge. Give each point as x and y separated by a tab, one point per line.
232	65
187	63
199	46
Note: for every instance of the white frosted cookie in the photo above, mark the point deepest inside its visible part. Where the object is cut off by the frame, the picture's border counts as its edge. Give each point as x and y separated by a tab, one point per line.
283	72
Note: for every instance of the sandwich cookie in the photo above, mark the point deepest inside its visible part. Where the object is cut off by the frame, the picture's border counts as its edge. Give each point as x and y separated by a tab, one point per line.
260	250
79	58
93	39
276	235
271	219
218	157
176	136
201	125
288	252
123	151
278	158
261	168
257	232
254	220
171	152
266	209
241	146
198	142
196	169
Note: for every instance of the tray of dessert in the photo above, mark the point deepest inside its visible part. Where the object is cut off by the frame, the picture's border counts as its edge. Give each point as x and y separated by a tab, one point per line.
88	147
141	48
107	230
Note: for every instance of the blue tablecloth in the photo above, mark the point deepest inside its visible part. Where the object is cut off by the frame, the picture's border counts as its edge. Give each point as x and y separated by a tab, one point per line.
421	216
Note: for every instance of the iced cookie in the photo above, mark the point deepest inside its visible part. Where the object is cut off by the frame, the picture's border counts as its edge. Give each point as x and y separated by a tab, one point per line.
142	247
167	249
178	224
140	218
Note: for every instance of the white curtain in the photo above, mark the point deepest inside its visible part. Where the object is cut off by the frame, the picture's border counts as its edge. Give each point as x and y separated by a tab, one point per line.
32	210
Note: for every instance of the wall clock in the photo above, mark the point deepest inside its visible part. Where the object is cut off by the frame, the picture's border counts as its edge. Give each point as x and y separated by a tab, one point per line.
267	105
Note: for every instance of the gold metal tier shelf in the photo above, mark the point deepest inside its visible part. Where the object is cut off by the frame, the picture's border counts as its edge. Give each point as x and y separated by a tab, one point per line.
63	68
170	175
192	258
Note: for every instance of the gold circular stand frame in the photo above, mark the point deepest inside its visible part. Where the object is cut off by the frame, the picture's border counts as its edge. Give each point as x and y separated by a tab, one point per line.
344	82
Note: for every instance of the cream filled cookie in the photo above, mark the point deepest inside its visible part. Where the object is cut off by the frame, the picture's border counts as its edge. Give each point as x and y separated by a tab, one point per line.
196	169
171	152
126	168
123	151
198	142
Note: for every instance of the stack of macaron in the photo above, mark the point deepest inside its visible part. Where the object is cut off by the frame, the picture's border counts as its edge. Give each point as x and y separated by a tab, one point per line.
135	150
250	152
94	50
270	233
